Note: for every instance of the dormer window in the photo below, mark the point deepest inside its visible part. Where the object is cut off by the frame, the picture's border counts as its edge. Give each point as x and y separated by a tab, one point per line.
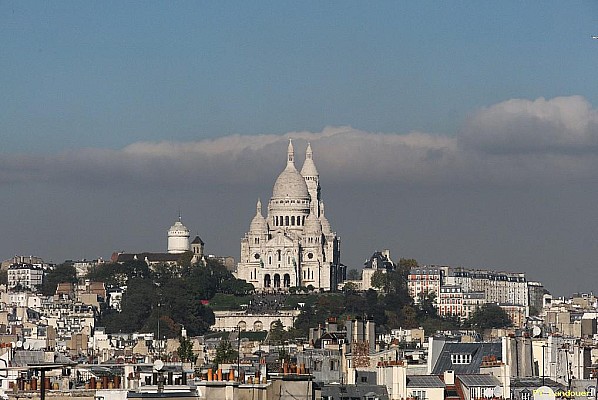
460	358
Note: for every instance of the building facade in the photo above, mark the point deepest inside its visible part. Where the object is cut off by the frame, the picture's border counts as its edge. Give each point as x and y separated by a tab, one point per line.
424	280
294	244
28	276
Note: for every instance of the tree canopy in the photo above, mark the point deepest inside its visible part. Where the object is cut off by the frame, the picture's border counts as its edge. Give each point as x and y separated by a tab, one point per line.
489	316
225	353
62	273
169	294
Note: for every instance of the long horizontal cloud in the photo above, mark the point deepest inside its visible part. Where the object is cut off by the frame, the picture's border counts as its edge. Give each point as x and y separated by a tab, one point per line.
513	141
559	126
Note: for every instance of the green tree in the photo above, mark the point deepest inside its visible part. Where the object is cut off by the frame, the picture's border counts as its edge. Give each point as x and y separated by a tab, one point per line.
353	274
489	316
277	333
185	350
408	263
225	353
62	273
306	319
380	280
138	305
427	304
350	287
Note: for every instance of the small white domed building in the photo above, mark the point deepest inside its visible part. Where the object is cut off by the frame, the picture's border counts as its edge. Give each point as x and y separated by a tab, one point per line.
294	245
178	238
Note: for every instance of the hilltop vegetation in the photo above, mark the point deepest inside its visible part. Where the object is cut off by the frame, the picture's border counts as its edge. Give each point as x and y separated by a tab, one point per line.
171	294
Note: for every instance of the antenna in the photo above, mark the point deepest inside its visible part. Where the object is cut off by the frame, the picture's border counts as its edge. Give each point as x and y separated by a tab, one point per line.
158	365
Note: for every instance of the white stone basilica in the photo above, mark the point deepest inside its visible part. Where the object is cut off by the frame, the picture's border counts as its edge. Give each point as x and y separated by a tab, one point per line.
294	244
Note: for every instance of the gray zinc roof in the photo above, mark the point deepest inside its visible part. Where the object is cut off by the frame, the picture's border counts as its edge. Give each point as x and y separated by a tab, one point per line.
477	350
337	392
424	381
479	380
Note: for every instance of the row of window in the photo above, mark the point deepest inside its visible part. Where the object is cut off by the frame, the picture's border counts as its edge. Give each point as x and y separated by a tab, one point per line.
268	280
288	221
290	201
461	358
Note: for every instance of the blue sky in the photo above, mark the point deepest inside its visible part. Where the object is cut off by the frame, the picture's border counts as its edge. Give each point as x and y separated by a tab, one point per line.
107	74
461	133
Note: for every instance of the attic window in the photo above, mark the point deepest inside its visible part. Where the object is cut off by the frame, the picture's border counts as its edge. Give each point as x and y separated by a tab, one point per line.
460	358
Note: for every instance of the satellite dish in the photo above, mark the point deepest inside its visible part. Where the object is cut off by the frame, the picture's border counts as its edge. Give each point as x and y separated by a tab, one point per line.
488	392
536	331
158	365
497	391
26	345
19	344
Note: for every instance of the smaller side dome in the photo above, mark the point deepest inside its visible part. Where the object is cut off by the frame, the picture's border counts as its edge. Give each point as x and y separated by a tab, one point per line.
178	229
312	223
258	223
326	228
309	167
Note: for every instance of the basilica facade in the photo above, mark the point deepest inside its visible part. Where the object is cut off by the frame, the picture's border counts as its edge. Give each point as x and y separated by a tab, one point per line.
294	244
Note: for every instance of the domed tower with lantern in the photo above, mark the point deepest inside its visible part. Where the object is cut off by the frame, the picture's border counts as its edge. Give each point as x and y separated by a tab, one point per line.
178	238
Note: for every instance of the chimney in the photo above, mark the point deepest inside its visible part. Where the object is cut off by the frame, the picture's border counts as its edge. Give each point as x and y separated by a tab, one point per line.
449	377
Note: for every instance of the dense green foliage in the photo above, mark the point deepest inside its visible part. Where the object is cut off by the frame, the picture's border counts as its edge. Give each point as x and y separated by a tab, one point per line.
489	316
185	350
167	296
276	334
391	307
60	274
225	353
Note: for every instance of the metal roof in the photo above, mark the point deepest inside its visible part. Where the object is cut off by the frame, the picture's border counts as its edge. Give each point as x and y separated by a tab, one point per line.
357	391
424	381
479	380
477	350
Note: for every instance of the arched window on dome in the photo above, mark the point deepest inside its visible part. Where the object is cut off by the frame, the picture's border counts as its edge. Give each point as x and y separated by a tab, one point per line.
303	220
270	260
286	220
293	220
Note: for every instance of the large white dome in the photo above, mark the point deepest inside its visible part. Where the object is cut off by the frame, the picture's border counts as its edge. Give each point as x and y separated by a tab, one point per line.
290	183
